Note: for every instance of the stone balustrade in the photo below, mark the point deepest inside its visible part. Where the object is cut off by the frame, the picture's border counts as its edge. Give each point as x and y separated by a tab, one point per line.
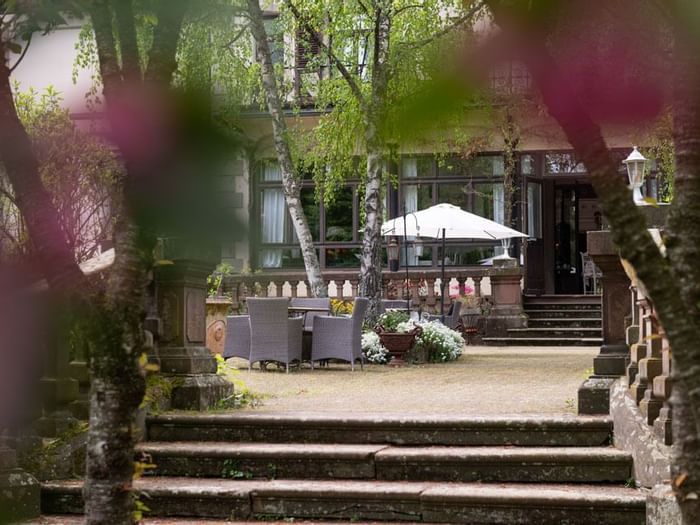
423	285
649	369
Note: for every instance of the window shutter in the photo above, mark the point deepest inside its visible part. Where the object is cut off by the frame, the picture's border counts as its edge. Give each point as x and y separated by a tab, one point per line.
306	49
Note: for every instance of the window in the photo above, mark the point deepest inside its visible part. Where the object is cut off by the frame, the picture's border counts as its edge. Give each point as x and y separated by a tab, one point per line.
561	163
333	227
275	38
534	210
339	216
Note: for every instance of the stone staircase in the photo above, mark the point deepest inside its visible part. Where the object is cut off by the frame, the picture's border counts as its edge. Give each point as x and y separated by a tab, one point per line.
557	320
262	466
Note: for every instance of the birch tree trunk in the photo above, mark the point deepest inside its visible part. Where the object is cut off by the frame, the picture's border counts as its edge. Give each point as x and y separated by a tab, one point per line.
290	180
371	260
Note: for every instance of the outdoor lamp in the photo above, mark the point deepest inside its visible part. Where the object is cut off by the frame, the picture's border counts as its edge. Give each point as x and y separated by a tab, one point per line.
418	247
635	172
392	251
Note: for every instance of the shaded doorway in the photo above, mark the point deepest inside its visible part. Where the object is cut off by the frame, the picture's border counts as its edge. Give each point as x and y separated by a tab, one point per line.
576	212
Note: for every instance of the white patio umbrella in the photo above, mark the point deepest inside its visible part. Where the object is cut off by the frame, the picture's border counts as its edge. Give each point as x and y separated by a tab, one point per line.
445	221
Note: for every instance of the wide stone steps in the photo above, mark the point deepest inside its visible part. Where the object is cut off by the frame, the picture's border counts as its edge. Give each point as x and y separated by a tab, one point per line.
543	341
573	322
324	461
556	321
422	430
563	313
435	502
554	331
367	467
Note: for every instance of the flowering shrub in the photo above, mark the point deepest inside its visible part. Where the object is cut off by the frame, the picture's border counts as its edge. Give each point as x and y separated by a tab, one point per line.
437	342
373	349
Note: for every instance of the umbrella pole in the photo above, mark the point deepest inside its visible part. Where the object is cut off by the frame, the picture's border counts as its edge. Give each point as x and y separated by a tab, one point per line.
442	281
407	288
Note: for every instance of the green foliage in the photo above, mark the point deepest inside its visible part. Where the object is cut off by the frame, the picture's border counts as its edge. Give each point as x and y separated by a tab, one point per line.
391	320
242	396
215	280
232	470
81	173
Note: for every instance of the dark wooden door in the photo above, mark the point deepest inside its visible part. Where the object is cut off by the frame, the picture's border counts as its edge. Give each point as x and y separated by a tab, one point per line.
534	252
567	263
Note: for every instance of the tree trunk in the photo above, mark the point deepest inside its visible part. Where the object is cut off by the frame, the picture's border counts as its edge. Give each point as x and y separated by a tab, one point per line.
117	385
511	139
664	278
371	257
290	180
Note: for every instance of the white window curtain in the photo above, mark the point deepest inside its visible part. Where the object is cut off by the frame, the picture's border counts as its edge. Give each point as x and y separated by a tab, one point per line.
273	213
410	203
498	215
534	210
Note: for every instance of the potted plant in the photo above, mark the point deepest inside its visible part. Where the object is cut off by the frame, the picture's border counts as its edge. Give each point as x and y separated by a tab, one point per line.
397	343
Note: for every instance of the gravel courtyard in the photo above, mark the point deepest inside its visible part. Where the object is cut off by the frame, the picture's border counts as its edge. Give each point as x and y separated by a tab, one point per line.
484	380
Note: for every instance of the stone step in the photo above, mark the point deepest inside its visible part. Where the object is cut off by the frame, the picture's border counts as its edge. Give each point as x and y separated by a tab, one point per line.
563	313
562	306
77	519
398	429
325	461
572	322
554	331
372	500
543	341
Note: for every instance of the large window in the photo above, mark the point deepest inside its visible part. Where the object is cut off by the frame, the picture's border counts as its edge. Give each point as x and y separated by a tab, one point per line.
474	184
334	227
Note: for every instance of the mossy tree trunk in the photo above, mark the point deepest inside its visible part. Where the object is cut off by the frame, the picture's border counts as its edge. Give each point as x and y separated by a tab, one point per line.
672	281
117	384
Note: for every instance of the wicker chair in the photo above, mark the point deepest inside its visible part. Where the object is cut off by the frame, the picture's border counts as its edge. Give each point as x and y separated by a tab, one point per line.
273	335
322	303
451	317
340	337
237	342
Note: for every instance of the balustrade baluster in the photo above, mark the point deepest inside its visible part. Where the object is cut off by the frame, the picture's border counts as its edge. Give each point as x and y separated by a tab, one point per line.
294	285
279	288
477	286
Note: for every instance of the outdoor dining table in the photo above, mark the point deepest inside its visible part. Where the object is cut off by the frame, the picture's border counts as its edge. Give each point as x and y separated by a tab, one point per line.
308	331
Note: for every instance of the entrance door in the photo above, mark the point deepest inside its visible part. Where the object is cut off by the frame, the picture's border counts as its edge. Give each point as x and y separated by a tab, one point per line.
534	254
567	259
576	212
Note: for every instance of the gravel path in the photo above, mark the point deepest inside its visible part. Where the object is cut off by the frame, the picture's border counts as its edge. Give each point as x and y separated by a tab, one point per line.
484	380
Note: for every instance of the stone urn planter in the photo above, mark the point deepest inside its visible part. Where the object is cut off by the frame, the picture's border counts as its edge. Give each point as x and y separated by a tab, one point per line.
398	343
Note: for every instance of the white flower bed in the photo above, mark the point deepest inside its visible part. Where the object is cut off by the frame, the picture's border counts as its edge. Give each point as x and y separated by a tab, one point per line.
438	341
373	349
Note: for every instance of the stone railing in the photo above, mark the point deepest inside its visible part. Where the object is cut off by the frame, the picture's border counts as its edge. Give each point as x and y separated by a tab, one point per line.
423	285
649	369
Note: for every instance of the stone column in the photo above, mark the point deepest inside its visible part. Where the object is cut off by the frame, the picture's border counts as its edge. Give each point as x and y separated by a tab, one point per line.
181	351
610	363
506	294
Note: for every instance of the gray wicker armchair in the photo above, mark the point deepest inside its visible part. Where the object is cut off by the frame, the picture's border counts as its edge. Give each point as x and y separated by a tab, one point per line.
340	337
237	341
273	335
451	317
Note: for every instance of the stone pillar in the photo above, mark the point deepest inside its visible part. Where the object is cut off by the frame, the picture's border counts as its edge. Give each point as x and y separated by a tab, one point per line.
610	363
181	351
506	294
19	491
